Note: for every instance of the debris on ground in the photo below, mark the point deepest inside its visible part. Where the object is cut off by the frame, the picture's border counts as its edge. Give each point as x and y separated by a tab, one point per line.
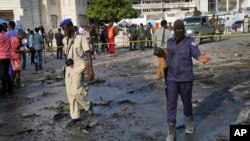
33	115
41	81
195	101
125	75
59	116
15	133
87	125
126	102
62	106
109	66
221	138
103	102
47	93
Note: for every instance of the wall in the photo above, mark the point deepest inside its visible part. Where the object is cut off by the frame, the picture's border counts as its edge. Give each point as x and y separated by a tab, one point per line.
26	12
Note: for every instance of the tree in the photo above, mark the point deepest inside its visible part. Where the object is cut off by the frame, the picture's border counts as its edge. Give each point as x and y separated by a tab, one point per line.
110	10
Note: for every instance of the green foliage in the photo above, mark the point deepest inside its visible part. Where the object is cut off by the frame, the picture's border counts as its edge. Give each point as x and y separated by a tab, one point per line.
110	10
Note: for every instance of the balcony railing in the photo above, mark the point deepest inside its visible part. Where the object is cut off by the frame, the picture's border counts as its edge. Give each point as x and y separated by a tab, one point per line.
179	5
164	5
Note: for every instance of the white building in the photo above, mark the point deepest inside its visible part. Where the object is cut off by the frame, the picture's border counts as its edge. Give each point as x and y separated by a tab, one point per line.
159	9
49	13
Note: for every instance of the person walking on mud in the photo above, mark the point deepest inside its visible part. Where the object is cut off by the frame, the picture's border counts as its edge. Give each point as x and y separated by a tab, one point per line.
160	39
74	47
180	76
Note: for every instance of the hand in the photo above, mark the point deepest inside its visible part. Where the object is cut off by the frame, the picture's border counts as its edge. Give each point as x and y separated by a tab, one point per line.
204	58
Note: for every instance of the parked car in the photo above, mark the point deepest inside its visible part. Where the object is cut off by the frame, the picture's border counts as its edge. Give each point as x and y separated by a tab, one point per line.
237	24
200	26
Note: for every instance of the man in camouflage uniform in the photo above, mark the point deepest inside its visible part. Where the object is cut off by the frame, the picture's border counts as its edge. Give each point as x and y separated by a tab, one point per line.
196	12
133	37
149	33
142	37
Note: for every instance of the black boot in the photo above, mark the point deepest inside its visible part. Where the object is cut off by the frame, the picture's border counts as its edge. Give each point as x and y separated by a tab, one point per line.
73	121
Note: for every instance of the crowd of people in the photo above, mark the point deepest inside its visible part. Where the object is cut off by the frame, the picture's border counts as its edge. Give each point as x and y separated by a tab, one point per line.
14	45
79	44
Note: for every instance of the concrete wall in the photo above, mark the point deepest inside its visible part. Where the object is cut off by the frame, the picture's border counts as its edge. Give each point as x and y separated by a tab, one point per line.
34	13
26	12
68	10
81	10
48	8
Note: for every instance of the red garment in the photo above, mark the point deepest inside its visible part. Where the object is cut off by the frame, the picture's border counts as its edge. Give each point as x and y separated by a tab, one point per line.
16	64
4	46
111	33
111	44
15	45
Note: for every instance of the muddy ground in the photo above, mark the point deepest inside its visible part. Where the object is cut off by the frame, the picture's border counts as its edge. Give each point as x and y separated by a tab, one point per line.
130	101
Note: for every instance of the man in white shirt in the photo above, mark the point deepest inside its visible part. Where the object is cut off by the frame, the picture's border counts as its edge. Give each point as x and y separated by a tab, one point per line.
227	26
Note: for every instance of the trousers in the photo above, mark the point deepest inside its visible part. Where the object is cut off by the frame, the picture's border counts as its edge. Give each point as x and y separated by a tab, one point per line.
159	69
184	88
111	43
77	93
4	75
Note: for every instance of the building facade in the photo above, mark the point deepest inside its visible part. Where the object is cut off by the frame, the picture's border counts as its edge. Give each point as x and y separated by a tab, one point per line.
48	13
159	9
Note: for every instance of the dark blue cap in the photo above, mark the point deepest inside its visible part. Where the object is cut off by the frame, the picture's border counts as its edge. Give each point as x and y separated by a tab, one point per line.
65	22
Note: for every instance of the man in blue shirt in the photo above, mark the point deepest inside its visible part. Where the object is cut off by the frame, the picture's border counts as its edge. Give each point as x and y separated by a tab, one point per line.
38	46
180	51
11	32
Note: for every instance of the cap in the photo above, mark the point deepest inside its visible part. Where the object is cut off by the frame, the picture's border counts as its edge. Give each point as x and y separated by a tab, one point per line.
65	22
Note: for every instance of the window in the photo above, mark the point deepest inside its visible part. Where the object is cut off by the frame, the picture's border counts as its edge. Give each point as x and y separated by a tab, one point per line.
54	20
82	19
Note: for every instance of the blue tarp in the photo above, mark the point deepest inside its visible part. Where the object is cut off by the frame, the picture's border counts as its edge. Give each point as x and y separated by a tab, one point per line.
18	26
3	21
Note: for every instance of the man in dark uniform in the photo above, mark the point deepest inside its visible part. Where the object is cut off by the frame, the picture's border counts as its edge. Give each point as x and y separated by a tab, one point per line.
180	76
59	42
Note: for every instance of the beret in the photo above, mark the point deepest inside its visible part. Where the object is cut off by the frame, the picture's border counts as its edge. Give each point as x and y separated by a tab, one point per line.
65	22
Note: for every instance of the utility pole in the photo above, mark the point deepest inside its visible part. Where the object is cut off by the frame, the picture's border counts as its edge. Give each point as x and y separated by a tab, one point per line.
216	6
227	5
237	6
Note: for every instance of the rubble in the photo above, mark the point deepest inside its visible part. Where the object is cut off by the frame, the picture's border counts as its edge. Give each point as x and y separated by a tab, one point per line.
103	102
16	133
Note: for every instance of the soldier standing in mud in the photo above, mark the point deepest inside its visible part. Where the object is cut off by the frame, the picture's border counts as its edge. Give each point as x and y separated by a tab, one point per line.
180	76
149	34
75	46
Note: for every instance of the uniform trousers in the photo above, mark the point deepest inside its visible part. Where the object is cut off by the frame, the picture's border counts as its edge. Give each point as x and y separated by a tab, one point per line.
184	88
76	93
159	69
